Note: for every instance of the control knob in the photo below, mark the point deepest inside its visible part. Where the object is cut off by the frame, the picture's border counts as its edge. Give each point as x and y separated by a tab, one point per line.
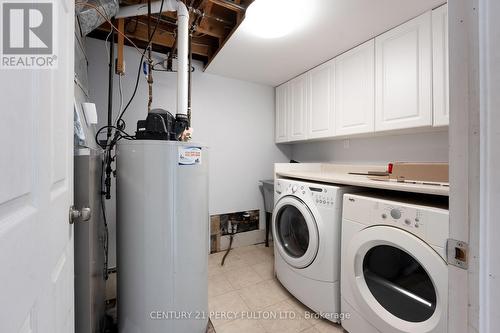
395	213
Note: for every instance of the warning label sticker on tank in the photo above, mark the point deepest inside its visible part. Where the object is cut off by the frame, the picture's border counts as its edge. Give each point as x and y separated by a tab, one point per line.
189	155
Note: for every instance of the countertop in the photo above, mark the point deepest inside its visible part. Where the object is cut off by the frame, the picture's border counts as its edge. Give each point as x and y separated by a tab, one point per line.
339	174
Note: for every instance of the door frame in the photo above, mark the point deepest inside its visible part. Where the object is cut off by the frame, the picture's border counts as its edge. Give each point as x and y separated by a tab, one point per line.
474	153
464	159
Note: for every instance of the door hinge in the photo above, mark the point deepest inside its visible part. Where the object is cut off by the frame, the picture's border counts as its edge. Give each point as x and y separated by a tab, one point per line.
457	253
82	215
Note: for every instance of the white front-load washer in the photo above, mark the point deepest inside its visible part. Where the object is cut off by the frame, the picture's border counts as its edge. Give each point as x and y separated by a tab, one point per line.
394	273
306	232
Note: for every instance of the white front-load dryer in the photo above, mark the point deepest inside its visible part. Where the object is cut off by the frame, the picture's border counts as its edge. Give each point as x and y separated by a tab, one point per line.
394	273
306	232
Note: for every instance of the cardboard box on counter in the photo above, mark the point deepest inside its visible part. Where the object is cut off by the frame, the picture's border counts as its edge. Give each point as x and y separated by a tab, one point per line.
420	172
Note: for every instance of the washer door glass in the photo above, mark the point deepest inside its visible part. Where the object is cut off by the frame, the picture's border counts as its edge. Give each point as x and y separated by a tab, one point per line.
292	231
399	283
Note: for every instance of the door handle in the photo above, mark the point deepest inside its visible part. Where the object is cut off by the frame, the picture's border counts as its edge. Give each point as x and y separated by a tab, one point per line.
82	215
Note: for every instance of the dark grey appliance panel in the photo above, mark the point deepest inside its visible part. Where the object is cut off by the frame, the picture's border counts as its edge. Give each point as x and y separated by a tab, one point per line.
90	236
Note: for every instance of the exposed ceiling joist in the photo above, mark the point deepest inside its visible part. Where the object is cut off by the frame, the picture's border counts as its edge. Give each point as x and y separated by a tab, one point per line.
229	5
162	38
217	20
165	38
215	30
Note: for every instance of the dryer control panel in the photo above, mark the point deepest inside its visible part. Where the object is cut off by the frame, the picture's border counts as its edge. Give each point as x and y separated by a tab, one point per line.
403	216
426	222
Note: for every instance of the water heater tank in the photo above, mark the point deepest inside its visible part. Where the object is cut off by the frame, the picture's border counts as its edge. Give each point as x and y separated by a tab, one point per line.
162	237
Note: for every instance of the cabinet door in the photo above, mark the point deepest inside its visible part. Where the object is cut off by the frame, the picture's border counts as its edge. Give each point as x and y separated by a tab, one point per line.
355	90
281	129
321	117
403	74
298	108
440	74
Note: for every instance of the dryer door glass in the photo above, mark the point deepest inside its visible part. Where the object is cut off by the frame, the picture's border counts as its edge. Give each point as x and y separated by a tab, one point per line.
399	283
292	231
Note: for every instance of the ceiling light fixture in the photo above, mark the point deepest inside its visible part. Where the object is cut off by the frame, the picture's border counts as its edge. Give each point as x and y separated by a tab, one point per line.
276	18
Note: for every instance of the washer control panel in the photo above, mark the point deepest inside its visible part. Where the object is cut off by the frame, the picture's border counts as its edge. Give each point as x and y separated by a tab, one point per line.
296	189
321	196
323	200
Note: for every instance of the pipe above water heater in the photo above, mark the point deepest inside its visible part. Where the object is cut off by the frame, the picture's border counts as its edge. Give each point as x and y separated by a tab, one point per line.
182	59
182	44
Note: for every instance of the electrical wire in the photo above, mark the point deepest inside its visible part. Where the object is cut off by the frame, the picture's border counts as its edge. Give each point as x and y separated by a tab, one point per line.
119	129
139	70
97	9
118	134
120	123
106	44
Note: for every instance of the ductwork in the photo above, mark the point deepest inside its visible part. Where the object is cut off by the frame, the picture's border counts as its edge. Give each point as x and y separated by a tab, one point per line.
142	8
182	43
89	17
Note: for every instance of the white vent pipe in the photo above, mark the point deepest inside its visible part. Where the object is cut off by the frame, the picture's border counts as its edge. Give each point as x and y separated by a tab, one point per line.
182	58
182	42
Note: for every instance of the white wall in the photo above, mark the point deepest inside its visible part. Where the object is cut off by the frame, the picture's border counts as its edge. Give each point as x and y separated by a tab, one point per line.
235	119
417	147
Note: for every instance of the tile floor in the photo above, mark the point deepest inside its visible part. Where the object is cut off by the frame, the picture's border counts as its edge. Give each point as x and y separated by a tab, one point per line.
245	286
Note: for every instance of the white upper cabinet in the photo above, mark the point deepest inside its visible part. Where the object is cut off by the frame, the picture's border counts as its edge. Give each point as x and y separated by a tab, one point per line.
399	80
354	96
403	74
281	129
298	108
440	66
321	117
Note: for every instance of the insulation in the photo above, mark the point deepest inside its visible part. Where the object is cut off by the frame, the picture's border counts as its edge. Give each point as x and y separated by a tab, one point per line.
89	17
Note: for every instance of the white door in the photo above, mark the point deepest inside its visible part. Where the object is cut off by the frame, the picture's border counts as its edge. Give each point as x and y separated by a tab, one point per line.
355	90
298	108
281	129
403	76
321	117
36	190
440	72
295	232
